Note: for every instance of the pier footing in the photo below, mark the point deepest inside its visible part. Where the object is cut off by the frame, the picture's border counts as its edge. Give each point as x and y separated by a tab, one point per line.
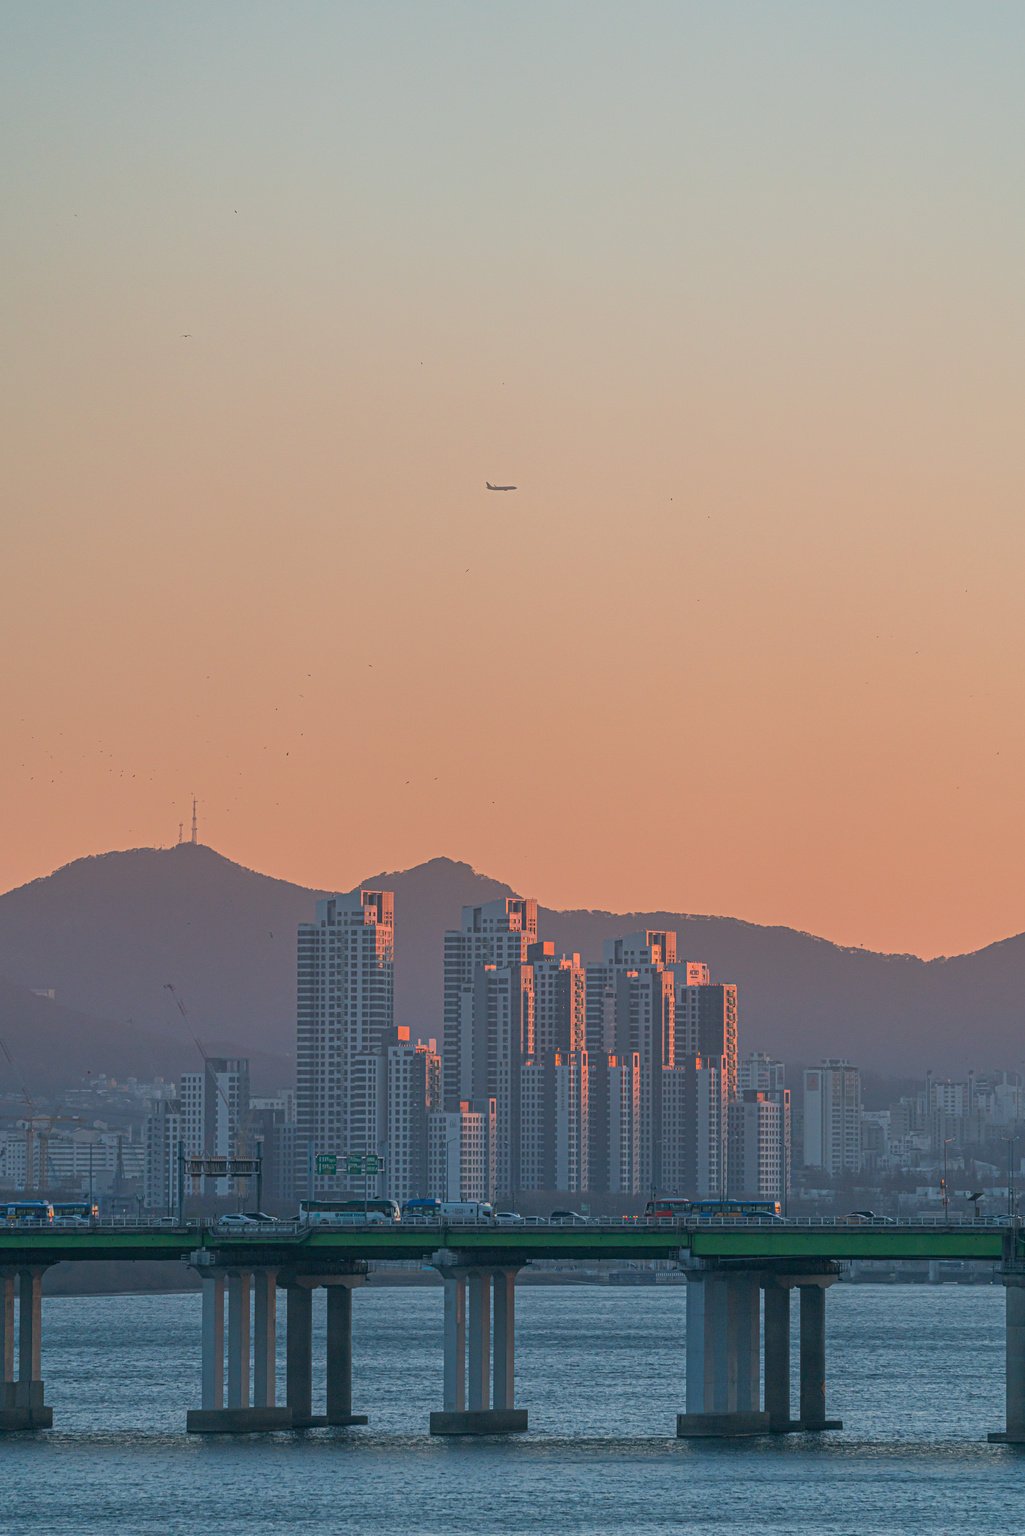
237	1421
26	1418
720	1426
480	1421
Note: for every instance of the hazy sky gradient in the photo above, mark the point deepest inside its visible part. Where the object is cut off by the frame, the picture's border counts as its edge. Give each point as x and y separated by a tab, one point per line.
732	292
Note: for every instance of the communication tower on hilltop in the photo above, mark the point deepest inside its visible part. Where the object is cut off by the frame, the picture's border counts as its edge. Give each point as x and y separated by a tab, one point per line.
195	824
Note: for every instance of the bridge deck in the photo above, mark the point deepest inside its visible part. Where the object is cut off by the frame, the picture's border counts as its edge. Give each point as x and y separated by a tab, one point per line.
752	1242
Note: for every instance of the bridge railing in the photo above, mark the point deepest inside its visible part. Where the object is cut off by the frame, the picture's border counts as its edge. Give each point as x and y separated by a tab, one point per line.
294	1226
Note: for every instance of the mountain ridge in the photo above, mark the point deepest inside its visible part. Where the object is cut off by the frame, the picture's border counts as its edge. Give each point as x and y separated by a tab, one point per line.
107	931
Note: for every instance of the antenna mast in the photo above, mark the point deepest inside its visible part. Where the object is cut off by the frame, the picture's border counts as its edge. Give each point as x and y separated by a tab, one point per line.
195	824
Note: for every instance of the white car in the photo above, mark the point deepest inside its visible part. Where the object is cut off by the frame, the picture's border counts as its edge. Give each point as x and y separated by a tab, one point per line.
509	1219
238	1219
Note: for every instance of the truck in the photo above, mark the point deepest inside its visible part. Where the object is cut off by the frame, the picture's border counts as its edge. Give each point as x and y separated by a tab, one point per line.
466	1210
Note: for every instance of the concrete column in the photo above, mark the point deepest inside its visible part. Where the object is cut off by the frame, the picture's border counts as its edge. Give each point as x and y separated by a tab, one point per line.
777	1356
1015	1360
479	1384
697	1290
744	1344
21	1391
477	1416
299	1352
238	1417
6	1331
504	1386
1014	1347
723	1355
455	1344
29	1392
813	1356
264	1338
213	1342
239	1285
339	1354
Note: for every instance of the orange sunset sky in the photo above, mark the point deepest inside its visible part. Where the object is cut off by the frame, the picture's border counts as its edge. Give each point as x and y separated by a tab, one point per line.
732	293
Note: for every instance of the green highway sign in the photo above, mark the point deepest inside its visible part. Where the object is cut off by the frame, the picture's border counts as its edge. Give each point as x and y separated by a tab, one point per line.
354	1163
371	1164
327	1162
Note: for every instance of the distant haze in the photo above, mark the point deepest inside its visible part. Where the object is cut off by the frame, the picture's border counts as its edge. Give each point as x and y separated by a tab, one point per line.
108	933
732	293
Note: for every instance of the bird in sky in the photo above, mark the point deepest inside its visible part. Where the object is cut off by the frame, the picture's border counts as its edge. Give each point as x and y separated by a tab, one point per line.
186	336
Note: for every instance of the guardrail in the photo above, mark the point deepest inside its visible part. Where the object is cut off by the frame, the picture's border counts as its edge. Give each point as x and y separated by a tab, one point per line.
288	1226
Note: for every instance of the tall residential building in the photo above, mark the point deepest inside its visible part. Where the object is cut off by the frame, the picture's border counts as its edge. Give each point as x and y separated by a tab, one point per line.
461	1152
162	1135
832	1118
761	1073
345	997
489	1016
560	999
555	1122
695	1101
631	1011
413	1093
270	1130
214	1108
706	1018
757	1147
499	933
615	1115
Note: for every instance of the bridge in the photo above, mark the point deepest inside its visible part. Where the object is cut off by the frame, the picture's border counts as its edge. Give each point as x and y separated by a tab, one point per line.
741	1278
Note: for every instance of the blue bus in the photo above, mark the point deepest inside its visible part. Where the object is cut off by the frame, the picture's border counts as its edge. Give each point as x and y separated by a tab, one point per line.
672	1208
75	1212
421	1210
34	1213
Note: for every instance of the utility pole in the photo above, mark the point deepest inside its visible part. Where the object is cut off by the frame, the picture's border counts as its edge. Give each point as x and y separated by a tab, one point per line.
946	1192
181	1183
1010	1175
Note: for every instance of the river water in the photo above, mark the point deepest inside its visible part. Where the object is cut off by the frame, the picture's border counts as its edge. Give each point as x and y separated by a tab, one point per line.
915	1372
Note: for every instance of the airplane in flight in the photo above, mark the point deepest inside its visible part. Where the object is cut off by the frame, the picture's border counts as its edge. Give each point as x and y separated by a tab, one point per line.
499	487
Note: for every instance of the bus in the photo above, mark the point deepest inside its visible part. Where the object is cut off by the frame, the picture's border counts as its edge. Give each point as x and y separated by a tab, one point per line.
35	1213
348	1213
670	1208
75	1212
421	1209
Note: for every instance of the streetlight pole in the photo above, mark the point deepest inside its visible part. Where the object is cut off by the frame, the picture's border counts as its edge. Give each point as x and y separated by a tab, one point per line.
1010	1174
946	1191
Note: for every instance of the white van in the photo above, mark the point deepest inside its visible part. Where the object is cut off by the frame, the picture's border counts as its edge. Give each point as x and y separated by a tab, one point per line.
466	1210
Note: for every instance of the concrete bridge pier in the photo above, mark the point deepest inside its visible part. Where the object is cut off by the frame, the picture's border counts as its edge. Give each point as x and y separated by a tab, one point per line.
1014	1345
811	1288
480	1361
777	1355
250	1333
339	1349
299	1290
723	1356
21	1397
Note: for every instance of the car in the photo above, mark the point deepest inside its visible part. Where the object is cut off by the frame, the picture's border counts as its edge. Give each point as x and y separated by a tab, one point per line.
239	1219
561	1218
508	1219
865	1218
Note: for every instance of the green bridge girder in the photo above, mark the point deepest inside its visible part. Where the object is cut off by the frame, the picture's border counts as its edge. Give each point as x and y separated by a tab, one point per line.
518	1245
